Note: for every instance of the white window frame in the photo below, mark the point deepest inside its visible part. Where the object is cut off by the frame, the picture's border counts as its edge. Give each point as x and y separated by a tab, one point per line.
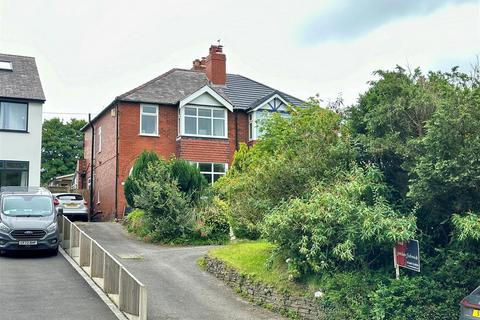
211	172
182	121
99	140
149	115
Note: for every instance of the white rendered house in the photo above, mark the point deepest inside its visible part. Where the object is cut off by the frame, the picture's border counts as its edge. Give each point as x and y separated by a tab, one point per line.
21	102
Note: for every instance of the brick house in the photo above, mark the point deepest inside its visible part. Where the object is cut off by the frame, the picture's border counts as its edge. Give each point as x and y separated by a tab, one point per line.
200	115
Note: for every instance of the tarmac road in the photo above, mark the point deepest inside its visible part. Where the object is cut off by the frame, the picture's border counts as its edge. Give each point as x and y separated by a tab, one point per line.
36	286
176	287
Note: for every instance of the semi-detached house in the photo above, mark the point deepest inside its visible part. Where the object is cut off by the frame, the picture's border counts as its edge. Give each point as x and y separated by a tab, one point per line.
200	115
21	103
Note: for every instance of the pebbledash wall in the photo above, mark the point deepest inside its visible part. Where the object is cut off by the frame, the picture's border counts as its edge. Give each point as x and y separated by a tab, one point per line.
265	295
131	143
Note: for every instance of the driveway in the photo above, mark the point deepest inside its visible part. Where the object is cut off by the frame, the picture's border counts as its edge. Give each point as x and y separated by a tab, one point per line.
177	288
35	286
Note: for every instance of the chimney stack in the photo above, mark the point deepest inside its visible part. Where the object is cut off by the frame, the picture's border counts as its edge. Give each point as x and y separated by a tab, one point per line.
214	65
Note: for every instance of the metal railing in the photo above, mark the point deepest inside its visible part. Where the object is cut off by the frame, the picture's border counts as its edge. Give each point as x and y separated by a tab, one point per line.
125	291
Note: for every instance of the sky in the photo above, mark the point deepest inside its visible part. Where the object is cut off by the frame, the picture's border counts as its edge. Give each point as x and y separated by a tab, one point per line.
90	51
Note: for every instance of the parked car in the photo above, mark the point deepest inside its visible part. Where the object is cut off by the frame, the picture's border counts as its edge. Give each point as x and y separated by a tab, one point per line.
73	205
470	306
28	220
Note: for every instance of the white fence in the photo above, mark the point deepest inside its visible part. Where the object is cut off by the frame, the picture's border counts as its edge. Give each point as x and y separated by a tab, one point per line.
128	294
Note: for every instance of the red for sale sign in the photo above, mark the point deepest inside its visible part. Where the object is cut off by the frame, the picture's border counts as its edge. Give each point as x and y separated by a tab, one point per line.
407	255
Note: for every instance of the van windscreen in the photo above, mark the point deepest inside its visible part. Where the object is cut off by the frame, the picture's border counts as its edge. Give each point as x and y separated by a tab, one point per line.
27	205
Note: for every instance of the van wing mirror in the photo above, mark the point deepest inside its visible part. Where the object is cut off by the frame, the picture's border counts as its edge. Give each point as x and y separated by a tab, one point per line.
60	211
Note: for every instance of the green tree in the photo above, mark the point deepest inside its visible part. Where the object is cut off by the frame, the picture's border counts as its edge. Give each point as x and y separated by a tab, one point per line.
290	157
391	114
445	179
62	146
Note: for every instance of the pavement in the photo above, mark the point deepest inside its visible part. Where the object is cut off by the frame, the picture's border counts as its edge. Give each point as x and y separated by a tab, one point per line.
37	286
177	288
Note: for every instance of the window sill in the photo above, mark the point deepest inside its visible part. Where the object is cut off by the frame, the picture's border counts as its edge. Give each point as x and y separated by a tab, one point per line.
149	135
15	131
203	137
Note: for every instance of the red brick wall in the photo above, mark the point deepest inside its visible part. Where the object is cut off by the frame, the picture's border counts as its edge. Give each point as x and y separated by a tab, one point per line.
131	144
104	165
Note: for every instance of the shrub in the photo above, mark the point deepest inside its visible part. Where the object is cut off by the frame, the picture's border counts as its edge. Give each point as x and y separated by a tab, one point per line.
188	177
136	224
211	221
131	187
338	224
166	208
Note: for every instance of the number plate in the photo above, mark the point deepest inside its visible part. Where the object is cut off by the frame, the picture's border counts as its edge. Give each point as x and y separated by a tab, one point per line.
476	313
27	243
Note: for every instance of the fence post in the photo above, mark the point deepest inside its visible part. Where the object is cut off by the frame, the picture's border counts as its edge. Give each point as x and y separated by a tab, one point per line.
120	289
70	242
142	308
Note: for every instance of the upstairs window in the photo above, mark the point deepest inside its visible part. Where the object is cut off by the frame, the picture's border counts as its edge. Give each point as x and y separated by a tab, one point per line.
13	116
149	120
204	122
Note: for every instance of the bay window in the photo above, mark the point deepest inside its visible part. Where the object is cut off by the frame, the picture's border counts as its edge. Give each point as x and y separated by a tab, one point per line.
13	116
149	119
203	121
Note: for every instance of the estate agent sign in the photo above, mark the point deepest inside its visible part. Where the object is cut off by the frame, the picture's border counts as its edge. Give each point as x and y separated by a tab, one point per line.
407	255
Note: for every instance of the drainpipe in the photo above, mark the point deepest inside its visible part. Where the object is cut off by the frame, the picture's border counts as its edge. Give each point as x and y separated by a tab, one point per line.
236	130
90	214
116	162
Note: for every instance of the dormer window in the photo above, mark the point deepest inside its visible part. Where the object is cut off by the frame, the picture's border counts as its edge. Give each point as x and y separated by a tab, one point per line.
6	65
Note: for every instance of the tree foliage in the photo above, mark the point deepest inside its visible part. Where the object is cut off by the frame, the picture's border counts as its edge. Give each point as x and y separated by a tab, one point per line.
340	223
291	156
133	184
62	146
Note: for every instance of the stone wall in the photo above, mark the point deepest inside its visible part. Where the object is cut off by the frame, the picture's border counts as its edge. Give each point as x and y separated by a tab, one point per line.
264	294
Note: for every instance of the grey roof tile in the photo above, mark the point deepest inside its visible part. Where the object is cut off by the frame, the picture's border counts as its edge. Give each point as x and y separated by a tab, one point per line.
168	88
23	81
246	93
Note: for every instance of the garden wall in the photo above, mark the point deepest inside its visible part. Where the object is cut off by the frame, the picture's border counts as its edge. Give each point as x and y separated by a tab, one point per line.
263	294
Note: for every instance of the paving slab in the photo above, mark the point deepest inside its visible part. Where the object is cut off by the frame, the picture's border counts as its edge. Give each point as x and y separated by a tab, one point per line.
177	287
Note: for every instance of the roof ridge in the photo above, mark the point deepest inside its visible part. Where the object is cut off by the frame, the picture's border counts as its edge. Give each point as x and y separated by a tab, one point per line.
16	55
123	95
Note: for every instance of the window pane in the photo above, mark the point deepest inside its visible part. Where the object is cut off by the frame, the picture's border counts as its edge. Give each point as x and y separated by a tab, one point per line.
149	109
149	124
190	125
219	167
205	167
219	114
190	111
219	127
13	116
204	126
204	112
